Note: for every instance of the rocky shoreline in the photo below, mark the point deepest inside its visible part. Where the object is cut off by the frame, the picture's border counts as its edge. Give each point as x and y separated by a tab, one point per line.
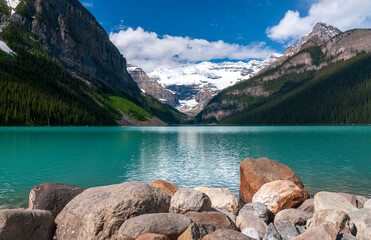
273	205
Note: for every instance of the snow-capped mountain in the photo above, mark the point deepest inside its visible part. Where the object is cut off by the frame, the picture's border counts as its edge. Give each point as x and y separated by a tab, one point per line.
196	84
320	34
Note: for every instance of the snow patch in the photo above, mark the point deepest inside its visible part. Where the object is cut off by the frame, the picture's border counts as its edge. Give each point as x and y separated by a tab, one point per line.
186	105
5	48
12	4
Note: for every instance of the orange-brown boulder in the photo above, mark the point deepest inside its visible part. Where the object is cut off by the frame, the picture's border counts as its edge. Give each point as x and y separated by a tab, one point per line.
254	173
152	236
279	195
169	188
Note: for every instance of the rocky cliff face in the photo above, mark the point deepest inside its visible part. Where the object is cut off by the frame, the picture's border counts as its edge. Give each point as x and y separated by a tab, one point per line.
152	87
71	34
347	45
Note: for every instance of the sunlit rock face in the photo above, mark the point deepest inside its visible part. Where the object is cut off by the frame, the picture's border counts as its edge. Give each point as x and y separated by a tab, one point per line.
70	33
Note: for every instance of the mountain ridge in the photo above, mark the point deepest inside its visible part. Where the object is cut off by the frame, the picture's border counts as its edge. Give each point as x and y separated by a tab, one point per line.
287	74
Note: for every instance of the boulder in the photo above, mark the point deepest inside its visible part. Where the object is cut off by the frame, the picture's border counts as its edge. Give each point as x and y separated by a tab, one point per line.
152	236
287	230
367	204
52	196
254	173
248	220
169	224
226	234
169	188
309	222
361	201
21	224
325	231
328	200
307	206
229	214
272	233
346	237
362	219
279	195
356	201
221	199
258	209
293	215
216	219
252	233
300	229
338	218
98	213
187	200
196	231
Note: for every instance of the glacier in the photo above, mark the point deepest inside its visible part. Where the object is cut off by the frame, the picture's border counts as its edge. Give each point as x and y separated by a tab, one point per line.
207	77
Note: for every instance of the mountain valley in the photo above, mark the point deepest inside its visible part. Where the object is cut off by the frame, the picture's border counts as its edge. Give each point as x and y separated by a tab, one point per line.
66	71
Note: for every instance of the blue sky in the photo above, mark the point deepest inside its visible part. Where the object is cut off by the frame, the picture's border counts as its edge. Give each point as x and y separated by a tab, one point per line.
185	31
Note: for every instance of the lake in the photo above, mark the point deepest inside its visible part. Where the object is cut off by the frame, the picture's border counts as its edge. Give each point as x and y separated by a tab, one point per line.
326	158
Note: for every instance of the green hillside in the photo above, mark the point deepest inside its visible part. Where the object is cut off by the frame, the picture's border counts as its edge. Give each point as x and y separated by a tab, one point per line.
337	94
36	91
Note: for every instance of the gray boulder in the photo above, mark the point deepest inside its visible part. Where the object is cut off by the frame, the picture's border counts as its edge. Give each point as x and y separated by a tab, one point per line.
350	198
258	209
367	204
307	206
252	233
287	230
328	200
98	213
346	237
325	231
21	224
296	216
361	201
226	234
169	224
272	233
362	219
52	196
219	220
249	220
300	229
309	222
229	214
187	200
339	218
196	231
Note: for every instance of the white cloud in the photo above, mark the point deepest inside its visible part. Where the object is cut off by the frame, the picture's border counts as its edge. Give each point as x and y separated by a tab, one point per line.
343	14
149	50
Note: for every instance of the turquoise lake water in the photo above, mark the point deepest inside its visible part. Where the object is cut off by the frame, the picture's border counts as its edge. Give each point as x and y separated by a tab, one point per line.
325	158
